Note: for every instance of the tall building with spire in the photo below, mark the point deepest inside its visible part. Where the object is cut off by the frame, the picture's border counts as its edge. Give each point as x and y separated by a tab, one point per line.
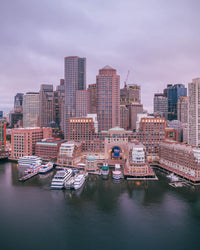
108	98
75	79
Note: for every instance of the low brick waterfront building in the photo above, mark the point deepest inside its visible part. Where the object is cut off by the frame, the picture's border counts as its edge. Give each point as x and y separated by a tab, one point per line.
70	153
48	148
23	140
181	159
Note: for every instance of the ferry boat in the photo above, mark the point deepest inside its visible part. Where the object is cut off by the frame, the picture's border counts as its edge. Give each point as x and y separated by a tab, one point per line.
60	178
79	180
173	177
33	168
116	175
46	168
69	184
105	169
29	160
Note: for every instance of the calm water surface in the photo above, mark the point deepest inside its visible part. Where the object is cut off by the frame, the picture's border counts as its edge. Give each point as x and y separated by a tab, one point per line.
102	215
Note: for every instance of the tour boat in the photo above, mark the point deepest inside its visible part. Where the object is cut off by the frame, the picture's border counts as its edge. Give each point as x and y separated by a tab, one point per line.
33	168
116	175
105	169
79	180
29	160
60	178
69	184
173	177
46	168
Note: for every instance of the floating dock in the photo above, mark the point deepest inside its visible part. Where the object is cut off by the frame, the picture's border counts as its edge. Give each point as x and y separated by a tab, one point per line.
28	176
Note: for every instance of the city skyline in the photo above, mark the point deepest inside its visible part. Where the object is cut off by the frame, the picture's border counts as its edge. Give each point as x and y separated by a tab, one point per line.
157	41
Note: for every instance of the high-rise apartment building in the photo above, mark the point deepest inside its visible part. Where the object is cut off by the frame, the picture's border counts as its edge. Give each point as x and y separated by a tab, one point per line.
134	110
31	109
183	109
46	105
59	98
160	103
174	92
75	79
18	102
108	98
194	112
81	103
92	98
124	117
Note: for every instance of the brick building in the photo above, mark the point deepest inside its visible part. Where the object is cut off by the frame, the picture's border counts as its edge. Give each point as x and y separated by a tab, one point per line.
23	140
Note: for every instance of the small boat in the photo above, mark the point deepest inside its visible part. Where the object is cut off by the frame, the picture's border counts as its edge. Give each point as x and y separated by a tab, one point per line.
173	177
105	169
117	167
60	178
79	180
33	168
116	175
46	168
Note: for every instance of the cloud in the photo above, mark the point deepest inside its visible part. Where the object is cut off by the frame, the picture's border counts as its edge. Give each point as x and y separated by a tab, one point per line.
157	40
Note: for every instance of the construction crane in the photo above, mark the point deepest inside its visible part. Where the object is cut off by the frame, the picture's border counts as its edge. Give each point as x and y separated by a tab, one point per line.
125	85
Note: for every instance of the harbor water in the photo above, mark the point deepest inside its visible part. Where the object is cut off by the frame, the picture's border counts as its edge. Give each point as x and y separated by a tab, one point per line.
103	214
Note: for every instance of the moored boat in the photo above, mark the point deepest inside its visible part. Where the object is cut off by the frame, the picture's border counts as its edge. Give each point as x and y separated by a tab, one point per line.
79	180
173	177
46	168
116	175
60	178
105	169
29	160
33	168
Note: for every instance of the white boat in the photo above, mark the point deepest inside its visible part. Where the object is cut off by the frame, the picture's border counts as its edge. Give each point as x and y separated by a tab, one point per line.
29	160
173	177
117	167
116	175
79	180
33	168
69	184
46	168
60	178
105	169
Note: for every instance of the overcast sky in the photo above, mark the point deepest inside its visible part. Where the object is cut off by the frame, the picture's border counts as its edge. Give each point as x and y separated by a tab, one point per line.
157	40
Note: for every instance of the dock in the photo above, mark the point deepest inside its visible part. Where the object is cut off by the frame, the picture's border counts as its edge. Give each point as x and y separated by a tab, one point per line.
28	176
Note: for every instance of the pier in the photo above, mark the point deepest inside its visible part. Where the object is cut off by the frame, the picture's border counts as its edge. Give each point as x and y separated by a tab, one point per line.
28	176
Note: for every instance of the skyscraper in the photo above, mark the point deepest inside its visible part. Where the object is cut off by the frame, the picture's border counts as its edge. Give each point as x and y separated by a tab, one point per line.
174	92
46	109
161	105
31	109
194	112
75	79
81	103
130	93
92	98
183	109
108	98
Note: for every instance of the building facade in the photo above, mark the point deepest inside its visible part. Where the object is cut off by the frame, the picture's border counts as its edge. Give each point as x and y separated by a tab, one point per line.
108	98
160	104
23	140
130	93
46	105
81	103
174	92
194	112
182	159
2	134
31	109
92	98
183	109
